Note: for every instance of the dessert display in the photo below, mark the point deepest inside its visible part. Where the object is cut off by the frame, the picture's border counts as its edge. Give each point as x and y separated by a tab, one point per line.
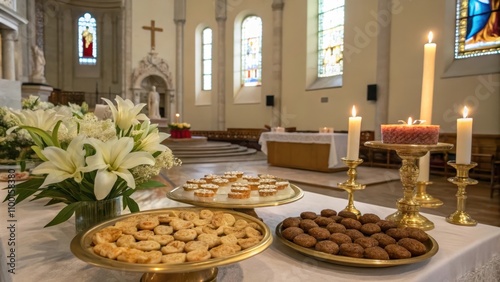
419	134
346	239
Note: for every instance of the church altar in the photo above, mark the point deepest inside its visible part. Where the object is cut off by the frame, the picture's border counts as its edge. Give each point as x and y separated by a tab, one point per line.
465	253
311	151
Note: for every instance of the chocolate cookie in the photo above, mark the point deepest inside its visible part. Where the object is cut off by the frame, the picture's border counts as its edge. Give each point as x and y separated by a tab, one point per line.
328	212
347	214
337	218
415	247
308	215
307	224
383	239
366	242
340	238
306	240
354	234
376	253
319	233
369	218
351	250
370	228
323	221
397	233
350	223
327	246
290	232
290	221
397	252
336	228
386	225
417	234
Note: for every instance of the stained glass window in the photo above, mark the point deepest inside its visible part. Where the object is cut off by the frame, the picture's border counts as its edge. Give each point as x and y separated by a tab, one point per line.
477	28
87	41
330	37
251	51
206	59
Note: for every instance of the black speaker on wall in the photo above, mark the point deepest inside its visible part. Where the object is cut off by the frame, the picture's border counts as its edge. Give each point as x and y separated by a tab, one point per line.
270	100
371	92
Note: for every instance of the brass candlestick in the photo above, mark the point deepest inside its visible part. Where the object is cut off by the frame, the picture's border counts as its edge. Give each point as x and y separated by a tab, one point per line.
460	217
351	185
425	200
408	208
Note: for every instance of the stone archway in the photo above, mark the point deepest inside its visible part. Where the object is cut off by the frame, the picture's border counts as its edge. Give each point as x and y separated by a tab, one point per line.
153	70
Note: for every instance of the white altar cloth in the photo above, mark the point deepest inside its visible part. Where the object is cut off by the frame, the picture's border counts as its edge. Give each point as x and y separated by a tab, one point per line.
337	141
43	254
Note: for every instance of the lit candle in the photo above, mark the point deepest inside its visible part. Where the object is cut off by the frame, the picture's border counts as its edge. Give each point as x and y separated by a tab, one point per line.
464	138
177	117
353	135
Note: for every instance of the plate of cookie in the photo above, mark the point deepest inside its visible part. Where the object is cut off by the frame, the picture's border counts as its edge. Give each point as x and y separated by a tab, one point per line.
234	189
172	241
345	239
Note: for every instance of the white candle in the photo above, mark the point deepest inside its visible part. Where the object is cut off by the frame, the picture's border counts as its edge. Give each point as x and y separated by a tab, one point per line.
177	118
353	135
464	138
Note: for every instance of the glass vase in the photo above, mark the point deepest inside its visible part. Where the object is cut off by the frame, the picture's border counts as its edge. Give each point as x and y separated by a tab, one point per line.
90	213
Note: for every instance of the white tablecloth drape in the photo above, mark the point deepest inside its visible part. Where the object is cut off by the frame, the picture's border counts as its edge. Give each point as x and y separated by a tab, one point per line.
337	141
43	254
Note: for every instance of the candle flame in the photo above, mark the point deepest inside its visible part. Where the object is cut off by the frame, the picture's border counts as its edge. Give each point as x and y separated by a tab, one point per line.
353	111
410	121
177	115
465	112
430	36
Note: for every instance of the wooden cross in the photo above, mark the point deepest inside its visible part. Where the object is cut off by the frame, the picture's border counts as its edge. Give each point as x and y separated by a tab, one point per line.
152	28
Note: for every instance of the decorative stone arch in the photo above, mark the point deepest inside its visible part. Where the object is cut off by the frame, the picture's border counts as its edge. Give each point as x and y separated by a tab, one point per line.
152	65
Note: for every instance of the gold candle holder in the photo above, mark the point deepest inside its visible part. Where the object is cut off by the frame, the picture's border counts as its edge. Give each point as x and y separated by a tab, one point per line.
426	200
460	217
408	208
351	184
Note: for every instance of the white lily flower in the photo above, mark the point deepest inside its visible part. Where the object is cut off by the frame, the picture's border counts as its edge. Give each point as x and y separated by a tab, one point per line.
126	113
113	159
151	138
42	119
61	164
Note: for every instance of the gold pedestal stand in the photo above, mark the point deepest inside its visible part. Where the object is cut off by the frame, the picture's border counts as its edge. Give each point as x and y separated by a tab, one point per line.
351	185
408	208
460	217
206	275
425	200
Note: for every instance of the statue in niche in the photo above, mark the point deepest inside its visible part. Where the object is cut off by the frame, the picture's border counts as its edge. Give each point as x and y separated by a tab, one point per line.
87	41
39	65
154	104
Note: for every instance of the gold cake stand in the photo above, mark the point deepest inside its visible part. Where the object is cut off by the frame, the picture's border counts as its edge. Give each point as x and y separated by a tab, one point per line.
408	208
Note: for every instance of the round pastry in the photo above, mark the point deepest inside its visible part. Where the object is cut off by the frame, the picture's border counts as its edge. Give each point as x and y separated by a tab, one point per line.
397	252
415	247
328	212
323	221
238	195
210	186
340	238
370	228
198	255
190	186
386	225
351	250
238	173
308	215
197	181
417	234
251	178
366	242
209	177
267	176
350	223
266	186
336	228
205	193
196	245
307	224
347	214
268	181
369	218
376	253
383	239
230	177
244	190
327	246
239	184
290	221
305	240
290	232
253	185
281	185
337	218
220	181
267	192
319	233
397	233
354	234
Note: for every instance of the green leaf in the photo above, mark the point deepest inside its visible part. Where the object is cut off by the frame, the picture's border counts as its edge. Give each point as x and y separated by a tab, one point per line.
53	202
64	214
55	140
42	133
132	205
25	189
150	184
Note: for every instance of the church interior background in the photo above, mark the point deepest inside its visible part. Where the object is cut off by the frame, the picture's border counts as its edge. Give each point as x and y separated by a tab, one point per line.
135	45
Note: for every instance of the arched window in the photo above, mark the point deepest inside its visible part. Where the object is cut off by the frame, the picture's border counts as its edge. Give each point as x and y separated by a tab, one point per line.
206	59
330	37
87	41
251	51
477	28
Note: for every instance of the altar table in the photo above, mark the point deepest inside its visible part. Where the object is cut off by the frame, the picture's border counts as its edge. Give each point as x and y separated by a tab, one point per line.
311	151
43	254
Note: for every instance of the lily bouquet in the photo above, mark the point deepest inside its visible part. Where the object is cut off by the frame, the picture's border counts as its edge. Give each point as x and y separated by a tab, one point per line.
86	159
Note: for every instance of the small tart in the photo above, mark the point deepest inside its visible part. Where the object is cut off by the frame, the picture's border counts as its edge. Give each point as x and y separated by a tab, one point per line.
251	178
209	177
238	195
245	190
267	186
267	176
190	186
280	185
267	192
197	181
253	185
220	181
267	181
210	186
239	184
204	193
238	173
230	177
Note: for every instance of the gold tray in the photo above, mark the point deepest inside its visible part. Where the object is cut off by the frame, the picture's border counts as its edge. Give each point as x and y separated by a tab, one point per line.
288	195
431	245
81	248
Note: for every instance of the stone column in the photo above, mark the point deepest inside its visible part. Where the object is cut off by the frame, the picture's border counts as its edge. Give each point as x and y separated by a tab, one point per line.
126	50
383	64
277	7
221	17
8	54
180	20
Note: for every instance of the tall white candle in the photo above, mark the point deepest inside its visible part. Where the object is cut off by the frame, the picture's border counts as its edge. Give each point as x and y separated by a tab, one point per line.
353	135
177	118
426	100
464	138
